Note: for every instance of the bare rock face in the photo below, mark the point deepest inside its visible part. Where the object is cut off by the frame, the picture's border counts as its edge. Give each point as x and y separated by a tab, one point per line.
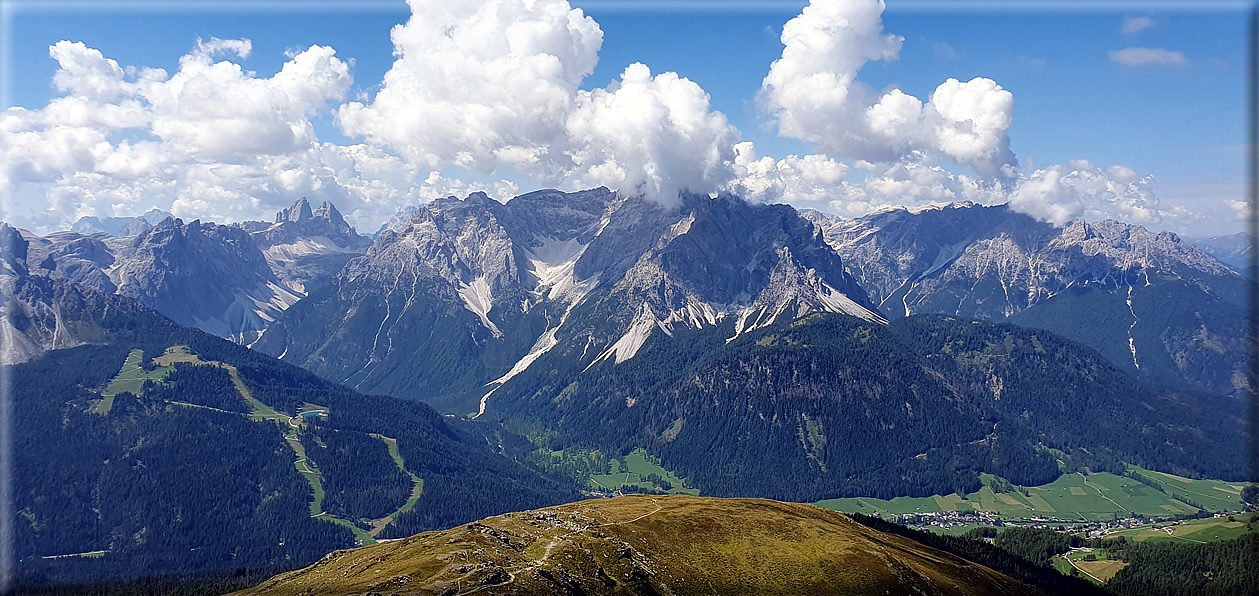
231	281
38	312
506	283
207	276
119	227
306	247
1152	303
203	275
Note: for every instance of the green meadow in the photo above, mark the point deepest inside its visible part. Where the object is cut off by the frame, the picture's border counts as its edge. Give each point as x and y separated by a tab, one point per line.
1211	529
130	379
1096	497
634	470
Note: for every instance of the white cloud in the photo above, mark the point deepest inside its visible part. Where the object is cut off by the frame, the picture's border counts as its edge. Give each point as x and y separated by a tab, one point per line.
1148	57
1240	209
481	84
968	122
211	141
217	111
1134	24
656	134
912	183
1057	194
495	84
494	87
793	179
812	94
1062	193
436	186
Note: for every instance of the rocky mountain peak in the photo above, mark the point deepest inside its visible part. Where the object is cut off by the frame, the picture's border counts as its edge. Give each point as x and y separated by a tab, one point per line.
12	250
119	227
329	212
300	211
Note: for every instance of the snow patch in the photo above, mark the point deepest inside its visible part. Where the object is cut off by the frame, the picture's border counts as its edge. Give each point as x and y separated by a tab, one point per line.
1132	343
695	314
544	344
740	323
682	227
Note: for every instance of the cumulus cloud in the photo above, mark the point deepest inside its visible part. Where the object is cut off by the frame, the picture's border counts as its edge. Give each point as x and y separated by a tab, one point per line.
1240	209
493	84
656	135
913	183
812	94
1057	194
793	179
480	84
1062	193
437	186
493	87
1134	24
1148	57
212	140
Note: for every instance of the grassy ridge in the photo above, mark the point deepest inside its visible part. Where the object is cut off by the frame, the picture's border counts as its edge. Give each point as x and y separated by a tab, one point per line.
644	544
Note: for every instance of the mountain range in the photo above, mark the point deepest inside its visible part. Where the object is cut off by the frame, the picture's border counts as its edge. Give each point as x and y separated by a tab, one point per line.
1153	304
499	285
754	350
230	281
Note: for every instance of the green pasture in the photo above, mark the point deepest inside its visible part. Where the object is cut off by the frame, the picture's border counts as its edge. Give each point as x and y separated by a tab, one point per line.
130	379
1097	497
633	471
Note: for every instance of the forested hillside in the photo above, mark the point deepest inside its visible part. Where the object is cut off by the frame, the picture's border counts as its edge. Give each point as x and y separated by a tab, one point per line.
831	405
201	466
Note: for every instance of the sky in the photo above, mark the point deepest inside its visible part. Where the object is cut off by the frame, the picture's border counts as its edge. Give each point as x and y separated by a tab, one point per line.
230	111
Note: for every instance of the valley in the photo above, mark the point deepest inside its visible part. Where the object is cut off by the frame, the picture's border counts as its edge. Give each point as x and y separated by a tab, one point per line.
1071	498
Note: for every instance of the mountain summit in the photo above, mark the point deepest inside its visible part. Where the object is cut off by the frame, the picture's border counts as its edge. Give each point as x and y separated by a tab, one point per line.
497	285
231	281
305	247
1155	305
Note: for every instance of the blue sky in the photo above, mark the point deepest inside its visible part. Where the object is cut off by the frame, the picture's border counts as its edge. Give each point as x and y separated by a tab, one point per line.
1182	123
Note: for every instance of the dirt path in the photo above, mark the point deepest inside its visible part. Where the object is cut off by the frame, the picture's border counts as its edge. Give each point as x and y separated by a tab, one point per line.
1099	493
1073	566
555	542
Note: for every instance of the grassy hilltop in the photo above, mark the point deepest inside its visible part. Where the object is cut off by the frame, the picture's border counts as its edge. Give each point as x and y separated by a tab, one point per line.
644	544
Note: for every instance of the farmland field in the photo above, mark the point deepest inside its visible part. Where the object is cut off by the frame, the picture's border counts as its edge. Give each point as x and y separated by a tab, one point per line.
1194	530
1097	497
1213	495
